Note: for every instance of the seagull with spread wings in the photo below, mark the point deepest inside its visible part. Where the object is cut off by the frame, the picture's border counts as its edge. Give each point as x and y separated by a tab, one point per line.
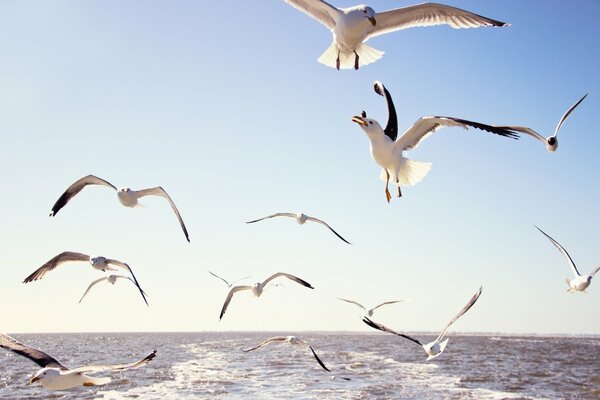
112	279
258	288
227	283
370	311
301	219
127	197
291	340
436	347
580	282
56	376
387	149
352	27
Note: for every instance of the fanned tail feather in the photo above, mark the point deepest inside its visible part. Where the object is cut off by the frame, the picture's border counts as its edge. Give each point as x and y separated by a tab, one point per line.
410	173
366	56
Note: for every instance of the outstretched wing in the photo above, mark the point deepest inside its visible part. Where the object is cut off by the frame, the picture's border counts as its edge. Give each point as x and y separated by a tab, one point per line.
159	191
94	283
313	219
54	262
217	276
318	359
289	276
460	313
428	14
292	215
425	126
230	296
37	356
391	129
116	367
128	268
353	302
566	115
278	339
594	271
386	303
323	12
562	250
76	188
383	328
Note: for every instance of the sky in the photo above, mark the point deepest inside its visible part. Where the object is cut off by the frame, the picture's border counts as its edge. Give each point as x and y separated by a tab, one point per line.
225	106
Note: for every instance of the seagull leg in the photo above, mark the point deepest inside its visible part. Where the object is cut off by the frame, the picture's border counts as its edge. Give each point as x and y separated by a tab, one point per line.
388	196
355	60
337	61
398	186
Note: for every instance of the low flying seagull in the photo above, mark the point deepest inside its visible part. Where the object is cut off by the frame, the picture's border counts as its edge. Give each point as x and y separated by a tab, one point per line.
126	196
227	283
352	27
580	282
257	288
370	311
387	148
436	347
56	376
112	279
301	219
290	340
100	263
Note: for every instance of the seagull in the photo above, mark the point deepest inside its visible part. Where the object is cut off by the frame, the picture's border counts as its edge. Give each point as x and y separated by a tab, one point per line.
227	283
387	148
371	310
100	263
352	27
55	376
126	196
551	142
290	340
436	347
112	279
258	288
580	282
301	219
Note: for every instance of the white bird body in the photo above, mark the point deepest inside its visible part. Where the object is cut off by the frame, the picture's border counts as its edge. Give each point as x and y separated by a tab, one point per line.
56	379
352	27
101	264
128	197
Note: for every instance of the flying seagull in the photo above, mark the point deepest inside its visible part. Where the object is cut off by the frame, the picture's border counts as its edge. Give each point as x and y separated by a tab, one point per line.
370	311
227	283
257	288
387	148
352	27
56	376
436	347
300	219
100	263
580	282
551	142
126	196
112	279
290	340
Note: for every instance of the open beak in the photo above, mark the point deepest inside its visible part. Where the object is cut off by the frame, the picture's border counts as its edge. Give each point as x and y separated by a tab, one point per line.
34	379
359	120
372	21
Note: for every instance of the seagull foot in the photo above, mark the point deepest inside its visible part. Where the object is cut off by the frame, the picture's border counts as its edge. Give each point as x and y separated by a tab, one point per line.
356	60
388	195
399	192
337	62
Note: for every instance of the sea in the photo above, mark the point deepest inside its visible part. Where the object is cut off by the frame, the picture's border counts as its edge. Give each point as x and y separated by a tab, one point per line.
212	365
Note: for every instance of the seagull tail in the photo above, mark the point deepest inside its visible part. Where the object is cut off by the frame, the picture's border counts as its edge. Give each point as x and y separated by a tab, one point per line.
410	173
93	381
366	55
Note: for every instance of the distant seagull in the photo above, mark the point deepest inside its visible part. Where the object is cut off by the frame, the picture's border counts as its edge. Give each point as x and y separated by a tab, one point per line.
126	196
300	219
387	148
370	311
56	376
227	283
352	27
112	279
436	347
100	263
290	340
258	288
580	282
551	142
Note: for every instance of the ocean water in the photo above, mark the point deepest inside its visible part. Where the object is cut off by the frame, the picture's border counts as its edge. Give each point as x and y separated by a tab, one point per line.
380	366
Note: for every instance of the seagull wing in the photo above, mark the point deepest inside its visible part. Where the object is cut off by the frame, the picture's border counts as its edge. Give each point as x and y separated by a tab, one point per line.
386	303
92	285
313	219
159	191
230	296
76	188
525	130
128	268
425	126
566	115
289	276
116	367
217	276
383	328
594	271
240	279
460	313
353	302
37	356
323	12
391	129
63	257
563	251
317	357
428	14
292	215
278	339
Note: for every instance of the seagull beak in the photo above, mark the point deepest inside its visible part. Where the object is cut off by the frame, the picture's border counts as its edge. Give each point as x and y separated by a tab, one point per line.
34	379
359	120
372	21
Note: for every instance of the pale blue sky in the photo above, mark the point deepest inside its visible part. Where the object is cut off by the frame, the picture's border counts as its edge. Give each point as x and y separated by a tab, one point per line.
224	105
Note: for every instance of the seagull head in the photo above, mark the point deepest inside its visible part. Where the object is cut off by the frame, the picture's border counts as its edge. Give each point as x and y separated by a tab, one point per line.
44	374
551	143
124	190
370	126
368	13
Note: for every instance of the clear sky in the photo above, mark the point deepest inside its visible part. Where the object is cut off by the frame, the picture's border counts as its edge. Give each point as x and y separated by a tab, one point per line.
224	105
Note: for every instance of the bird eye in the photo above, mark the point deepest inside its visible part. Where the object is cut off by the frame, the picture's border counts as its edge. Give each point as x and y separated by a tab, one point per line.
371	122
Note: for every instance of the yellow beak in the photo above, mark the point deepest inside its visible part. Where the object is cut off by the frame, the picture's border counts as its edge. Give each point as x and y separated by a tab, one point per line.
359	120
34	379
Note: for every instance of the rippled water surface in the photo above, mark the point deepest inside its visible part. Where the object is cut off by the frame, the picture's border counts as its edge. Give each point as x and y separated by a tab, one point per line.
212	365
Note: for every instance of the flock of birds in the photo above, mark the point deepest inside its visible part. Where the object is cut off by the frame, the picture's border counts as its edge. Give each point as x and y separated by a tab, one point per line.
351	28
